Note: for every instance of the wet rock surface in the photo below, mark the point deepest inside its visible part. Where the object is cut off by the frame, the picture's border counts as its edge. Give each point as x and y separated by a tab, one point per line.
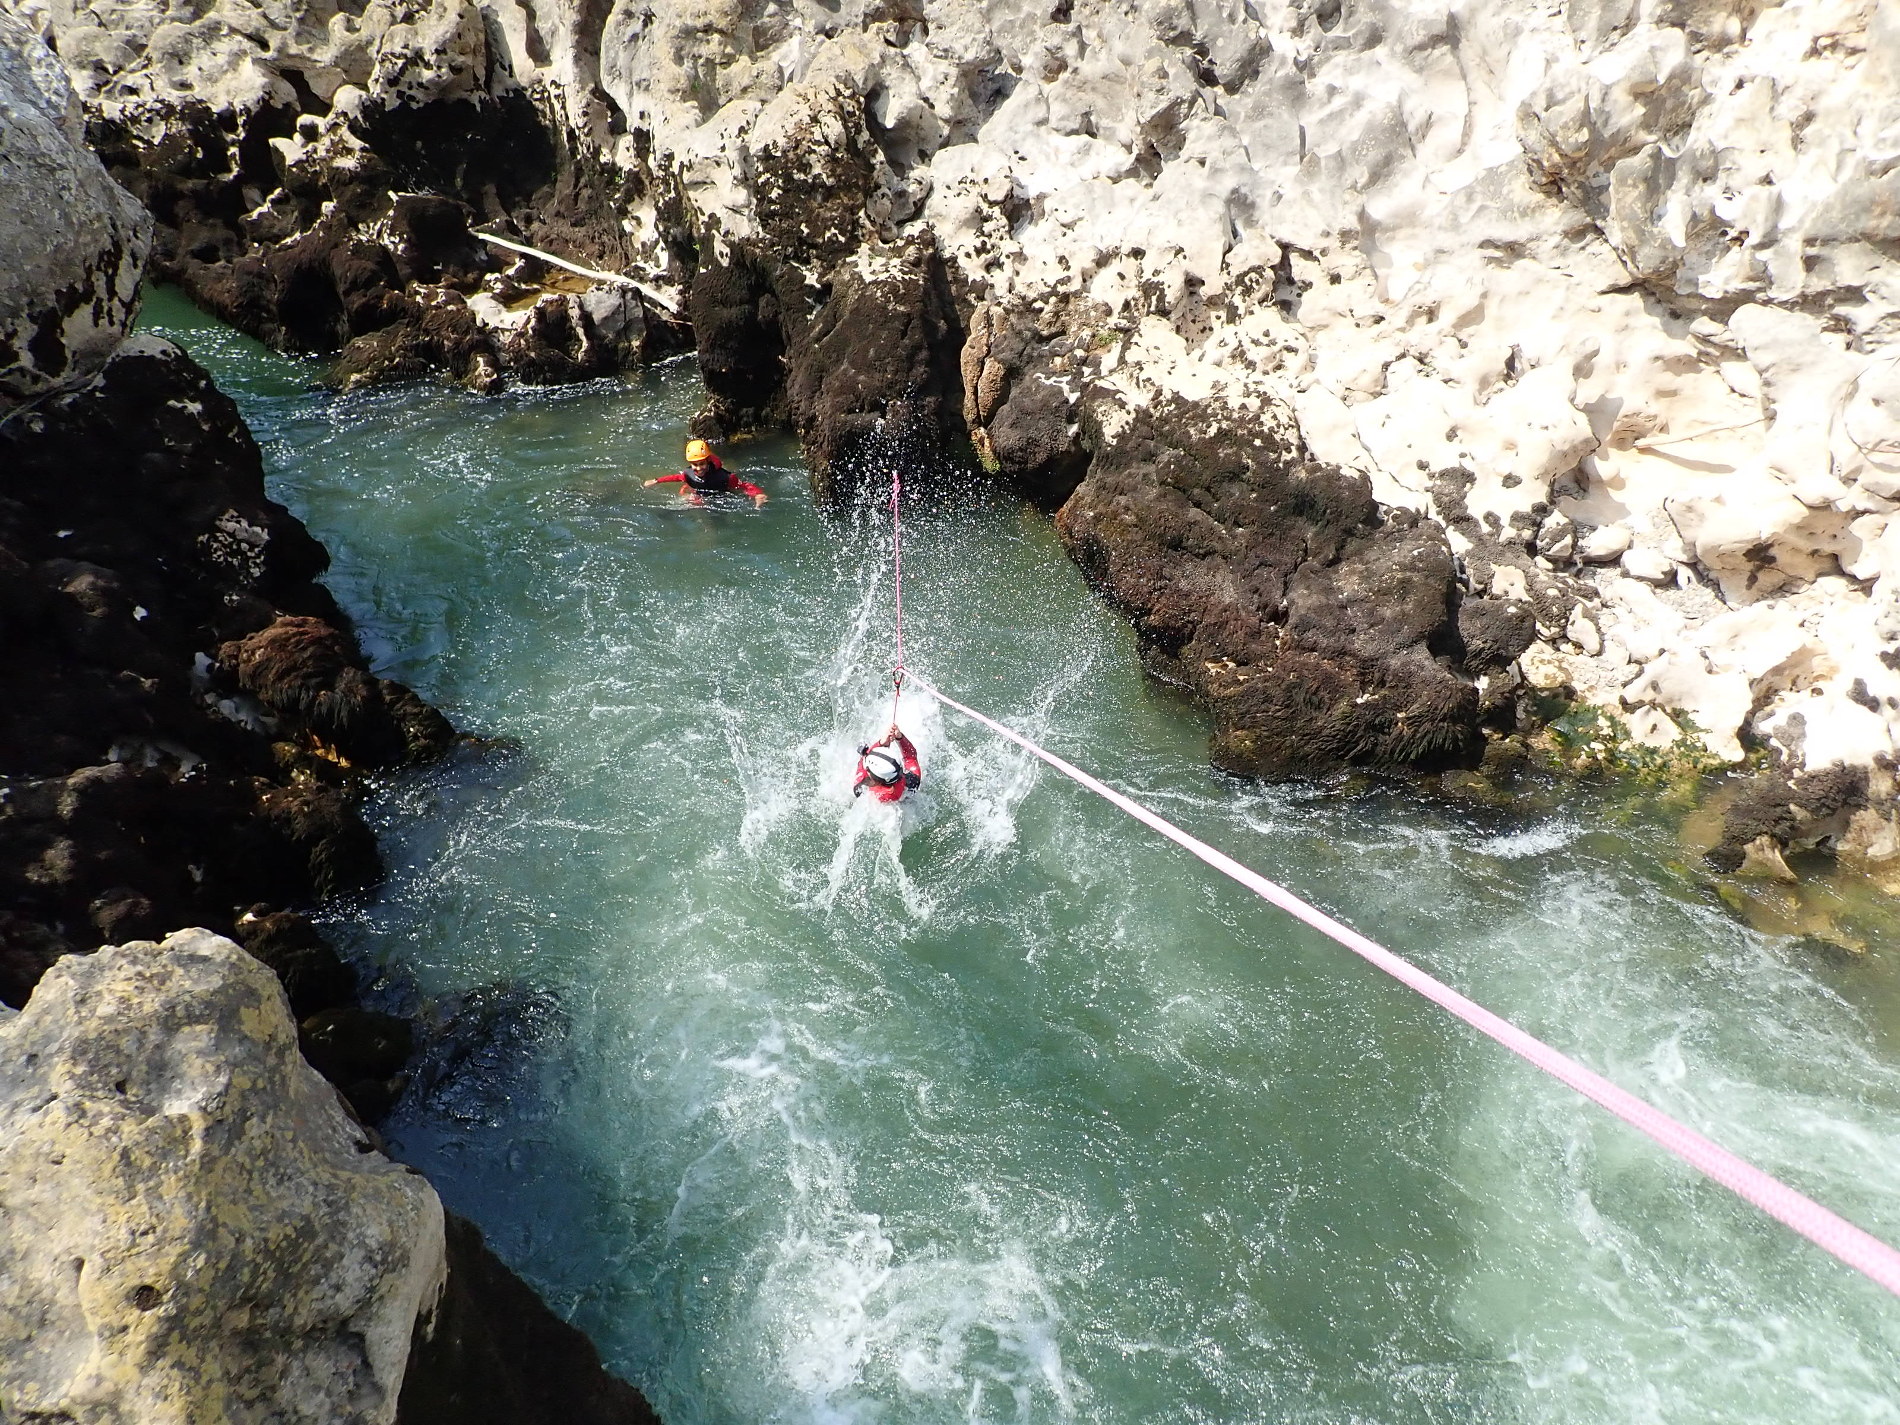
873	378
1318	629
1771	815
493	1354
146	785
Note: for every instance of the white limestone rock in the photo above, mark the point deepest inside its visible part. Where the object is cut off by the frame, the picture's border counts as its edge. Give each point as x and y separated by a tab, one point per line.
72	242
1634	264
1484	245
1606	544
191	1228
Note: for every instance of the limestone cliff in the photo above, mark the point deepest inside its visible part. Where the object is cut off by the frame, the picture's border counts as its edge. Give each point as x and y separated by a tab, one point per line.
194	1229
73	252
1604	293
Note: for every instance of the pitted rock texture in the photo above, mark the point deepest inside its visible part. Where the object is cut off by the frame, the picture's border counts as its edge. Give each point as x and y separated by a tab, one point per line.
315	173
1609	292
72	242
191	1227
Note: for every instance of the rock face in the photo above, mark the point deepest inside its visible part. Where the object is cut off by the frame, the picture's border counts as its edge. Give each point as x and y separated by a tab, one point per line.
493	1354
1314	627
316	172
193	1228
1607	294
146	786
69	270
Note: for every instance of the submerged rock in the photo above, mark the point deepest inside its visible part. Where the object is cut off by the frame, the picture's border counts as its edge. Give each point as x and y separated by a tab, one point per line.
191	1227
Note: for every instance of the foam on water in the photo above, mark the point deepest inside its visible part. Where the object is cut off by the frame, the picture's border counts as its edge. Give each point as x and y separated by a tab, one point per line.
989	1107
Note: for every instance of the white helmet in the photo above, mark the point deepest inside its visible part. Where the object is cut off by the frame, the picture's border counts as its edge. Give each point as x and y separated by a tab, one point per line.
882	766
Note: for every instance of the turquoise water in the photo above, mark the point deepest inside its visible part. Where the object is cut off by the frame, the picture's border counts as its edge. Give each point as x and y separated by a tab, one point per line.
994	1107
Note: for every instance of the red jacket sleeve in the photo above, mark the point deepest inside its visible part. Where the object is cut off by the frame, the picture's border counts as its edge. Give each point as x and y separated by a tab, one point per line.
746	488
910	756
671	479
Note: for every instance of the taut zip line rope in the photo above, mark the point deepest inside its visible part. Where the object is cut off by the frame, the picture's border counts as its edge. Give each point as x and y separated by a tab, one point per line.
1833	1234
897	592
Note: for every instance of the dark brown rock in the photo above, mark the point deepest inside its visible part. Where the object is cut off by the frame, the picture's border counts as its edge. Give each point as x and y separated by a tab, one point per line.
307	672
1017	404
135	539
27	951
419	340
495	1355
309	675
1495	632
313	975
322	841
1318	629
1034	439
122	914
737	318
875	376
1785	812
351	1043
371	258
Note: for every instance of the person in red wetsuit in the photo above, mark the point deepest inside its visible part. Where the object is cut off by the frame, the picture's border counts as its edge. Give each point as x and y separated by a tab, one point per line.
704	475
888	767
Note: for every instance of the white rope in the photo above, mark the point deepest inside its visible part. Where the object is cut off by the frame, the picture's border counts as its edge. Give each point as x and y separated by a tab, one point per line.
659	299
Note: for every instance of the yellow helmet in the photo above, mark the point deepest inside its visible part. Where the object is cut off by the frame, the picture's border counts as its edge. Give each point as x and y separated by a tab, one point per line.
697	450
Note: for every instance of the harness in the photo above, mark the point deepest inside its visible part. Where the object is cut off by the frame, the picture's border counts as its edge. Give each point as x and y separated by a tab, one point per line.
715	481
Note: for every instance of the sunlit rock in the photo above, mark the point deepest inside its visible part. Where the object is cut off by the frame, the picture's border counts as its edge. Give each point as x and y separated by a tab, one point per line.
1622	271
191	1227
72	242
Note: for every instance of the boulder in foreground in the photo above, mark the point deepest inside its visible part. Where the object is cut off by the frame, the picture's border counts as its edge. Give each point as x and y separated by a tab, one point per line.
193	1228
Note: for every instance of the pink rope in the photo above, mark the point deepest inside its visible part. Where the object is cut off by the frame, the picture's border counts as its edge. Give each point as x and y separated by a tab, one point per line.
897	585
1831	1233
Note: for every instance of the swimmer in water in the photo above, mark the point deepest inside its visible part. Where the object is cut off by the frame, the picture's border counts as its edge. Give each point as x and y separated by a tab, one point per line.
706	475
888	767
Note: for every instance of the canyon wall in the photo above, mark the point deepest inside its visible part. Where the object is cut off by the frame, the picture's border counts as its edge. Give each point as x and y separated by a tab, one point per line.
194	1225
1582	314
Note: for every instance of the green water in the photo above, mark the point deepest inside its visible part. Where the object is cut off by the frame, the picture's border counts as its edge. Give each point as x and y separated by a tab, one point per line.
994	1107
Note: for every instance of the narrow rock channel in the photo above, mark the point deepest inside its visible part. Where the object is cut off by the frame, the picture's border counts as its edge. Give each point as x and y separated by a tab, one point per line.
1447	457
804	1114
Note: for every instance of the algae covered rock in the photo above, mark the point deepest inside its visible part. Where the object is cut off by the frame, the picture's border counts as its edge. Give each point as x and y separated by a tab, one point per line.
191	1228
